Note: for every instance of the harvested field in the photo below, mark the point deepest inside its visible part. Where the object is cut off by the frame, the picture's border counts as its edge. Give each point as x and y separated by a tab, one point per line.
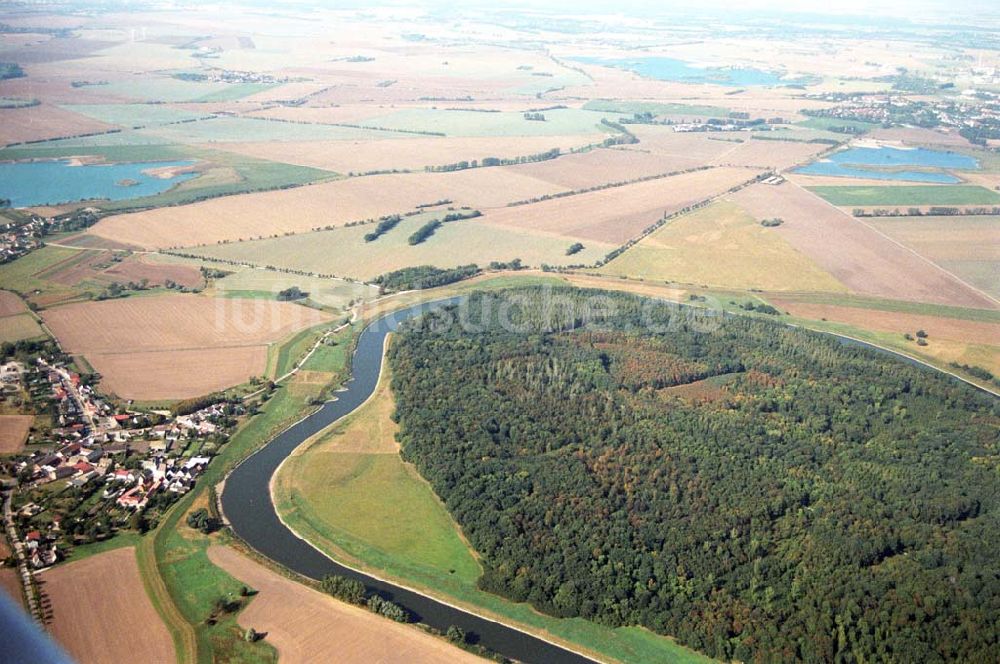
696	147
919	136
18	327
771	155
404	152
954	329
137	267
968	246
100	611
175	322
855	254
344	252
177	374
316	206
14	432
620	213
723	246
565	121
42	122
305	625
10	583
580	171
11	304
160	347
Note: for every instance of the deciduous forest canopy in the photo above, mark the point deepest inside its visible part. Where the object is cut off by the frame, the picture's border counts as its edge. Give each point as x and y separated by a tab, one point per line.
760	492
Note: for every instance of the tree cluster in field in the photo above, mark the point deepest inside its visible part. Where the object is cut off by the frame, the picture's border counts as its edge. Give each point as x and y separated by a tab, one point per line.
574	248
354	592
772	222
976	372
291	294
428	229
534	117
384	225
201	520
810	501
423	276
10	70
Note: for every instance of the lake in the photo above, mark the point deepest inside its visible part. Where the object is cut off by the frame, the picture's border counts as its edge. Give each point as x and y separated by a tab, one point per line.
672	69
31	183
888	163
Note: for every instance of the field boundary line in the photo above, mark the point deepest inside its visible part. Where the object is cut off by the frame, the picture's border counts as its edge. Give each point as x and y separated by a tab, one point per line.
899	244
181	631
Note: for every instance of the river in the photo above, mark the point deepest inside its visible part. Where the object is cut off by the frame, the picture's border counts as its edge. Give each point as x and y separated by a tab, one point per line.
246	501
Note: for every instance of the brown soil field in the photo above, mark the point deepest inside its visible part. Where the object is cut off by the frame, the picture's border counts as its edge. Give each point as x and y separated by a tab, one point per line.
969	237
175	322
100	611
11	304
306	208
937	327
137	268
776	155
699	148
10	583
856	254
580	171
919	136
176	346
42	122
619	213
177	374
13	432
305	625
402	153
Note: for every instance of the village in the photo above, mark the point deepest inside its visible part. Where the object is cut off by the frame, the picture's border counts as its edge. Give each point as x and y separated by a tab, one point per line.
102	468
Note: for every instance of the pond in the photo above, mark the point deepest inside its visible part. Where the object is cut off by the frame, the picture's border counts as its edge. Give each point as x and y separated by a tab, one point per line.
31	183
889	163
672	69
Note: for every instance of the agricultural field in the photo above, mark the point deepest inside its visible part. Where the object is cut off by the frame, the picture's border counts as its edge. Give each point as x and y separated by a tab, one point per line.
305	625
176	346
966	246
403	151
615	215
19	327
854	253
724	247
949	339
14	432
251	282
343	252
303	209
851	196
134	115
88	596
560	122
43	122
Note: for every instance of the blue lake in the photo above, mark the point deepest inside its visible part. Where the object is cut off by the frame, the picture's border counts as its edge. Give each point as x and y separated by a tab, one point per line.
672	69
32	183
888	163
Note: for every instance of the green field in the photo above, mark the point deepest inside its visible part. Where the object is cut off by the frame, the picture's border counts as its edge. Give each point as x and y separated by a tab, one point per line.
19	327
344	252
134	115
370	504
561	122
221	129
166	89
236	91
27	273
656	108
908	195
722	246
332	293
824	124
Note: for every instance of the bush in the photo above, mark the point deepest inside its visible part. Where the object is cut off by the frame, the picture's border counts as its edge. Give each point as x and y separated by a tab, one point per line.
347	590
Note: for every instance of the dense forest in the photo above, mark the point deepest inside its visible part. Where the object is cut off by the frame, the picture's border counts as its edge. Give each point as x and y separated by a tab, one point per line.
760	492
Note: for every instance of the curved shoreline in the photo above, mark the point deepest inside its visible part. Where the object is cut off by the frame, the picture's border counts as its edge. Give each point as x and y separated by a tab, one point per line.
249	509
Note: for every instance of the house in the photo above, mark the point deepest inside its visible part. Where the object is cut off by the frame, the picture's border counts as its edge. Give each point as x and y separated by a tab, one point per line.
11	372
